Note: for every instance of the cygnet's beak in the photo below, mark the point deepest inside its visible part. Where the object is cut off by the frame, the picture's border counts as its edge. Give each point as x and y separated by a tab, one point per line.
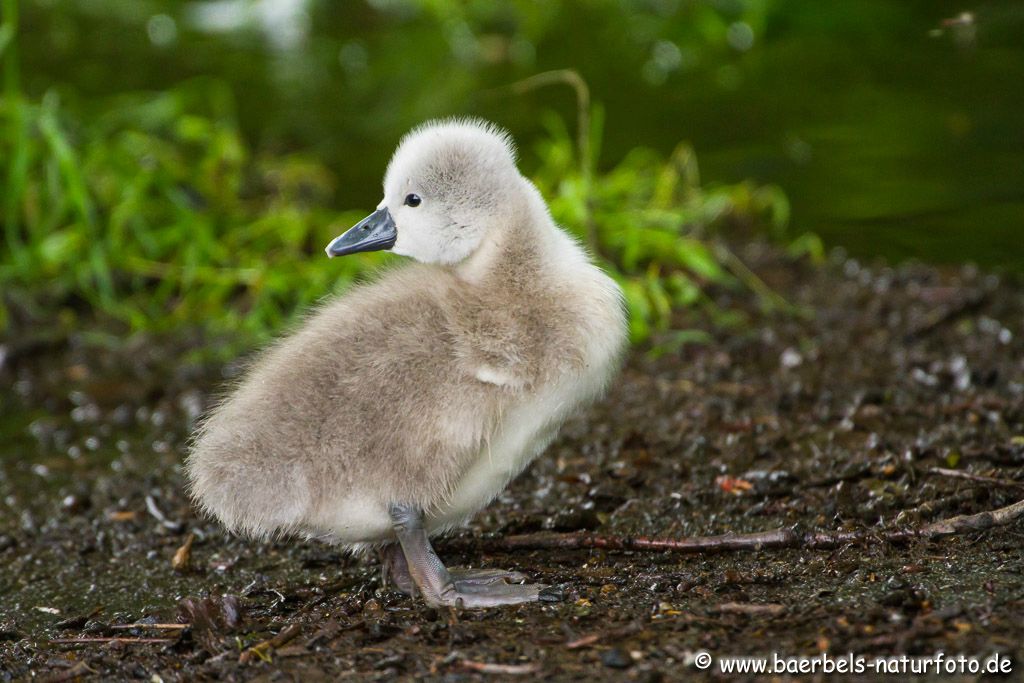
375	232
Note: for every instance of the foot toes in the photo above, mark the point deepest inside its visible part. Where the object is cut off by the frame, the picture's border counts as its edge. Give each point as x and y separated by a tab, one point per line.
493	586
495	594
486	576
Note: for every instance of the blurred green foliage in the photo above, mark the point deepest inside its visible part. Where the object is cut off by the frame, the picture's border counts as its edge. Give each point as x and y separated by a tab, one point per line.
158	215
893	126
142	188
343	80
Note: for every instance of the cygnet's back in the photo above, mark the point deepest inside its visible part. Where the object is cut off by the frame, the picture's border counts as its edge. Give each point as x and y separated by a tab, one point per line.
401	408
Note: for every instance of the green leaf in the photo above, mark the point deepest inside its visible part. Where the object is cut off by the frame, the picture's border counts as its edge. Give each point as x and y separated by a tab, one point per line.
6	37
62	247
639	310
698	258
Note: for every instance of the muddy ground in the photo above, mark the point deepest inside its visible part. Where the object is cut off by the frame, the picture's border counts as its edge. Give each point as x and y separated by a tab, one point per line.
832	422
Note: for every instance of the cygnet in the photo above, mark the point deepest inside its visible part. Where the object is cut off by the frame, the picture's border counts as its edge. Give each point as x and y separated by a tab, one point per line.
399	409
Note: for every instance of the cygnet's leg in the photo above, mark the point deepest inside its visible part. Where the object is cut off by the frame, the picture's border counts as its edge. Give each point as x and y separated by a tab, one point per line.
395	570
440	587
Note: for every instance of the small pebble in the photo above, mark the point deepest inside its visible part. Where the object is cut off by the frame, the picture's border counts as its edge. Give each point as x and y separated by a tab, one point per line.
616	659
790	358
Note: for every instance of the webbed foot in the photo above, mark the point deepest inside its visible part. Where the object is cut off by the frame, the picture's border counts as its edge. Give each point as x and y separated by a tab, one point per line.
482	577
413	566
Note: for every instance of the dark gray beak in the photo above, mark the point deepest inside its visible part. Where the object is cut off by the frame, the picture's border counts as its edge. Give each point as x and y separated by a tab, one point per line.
375	232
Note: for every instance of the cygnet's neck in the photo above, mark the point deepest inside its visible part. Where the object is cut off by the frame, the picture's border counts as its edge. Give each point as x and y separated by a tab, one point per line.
511	253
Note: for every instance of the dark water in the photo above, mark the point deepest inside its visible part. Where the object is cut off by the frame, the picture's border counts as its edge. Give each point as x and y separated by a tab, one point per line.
894	127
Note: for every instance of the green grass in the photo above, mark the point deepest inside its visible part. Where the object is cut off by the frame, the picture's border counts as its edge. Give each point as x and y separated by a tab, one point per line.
157	215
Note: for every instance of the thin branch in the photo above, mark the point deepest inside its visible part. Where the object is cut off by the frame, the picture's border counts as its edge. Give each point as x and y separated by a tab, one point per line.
574	80
976	522
68	641
751	609
981	479
929	508
768	297
762	540
594	638
501	669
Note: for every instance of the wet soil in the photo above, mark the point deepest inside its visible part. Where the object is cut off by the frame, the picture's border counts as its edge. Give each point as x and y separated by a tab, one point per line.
834	421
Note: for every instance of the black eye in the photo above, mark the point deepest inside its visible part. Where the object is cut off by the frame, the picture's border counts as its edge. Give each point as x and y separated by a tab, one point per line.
412	200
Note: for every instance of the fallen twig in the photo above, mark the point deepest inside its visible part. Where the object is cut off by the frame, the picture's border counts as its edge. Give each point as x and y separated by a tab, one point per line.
980	478
750	608
115	639
584	641
594	638
506	669
159	627
762	540
981	520
931	507
264	648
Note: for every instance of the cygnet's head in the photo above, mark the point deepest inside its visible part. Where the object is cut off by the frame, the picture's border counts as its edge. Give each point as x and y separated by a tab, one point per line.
448	184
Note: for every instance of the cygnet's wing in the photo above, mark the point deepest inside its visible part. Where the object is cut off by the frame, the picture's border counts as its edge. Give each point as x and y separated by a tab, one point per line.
368	400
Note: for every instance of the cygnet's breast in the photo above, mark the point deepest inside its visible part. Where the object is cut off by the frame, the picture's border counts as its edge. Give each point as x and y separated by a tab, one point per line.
530	423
